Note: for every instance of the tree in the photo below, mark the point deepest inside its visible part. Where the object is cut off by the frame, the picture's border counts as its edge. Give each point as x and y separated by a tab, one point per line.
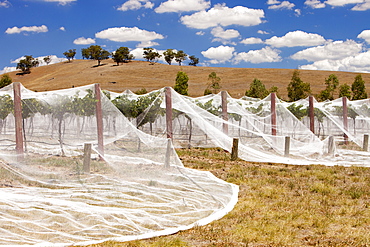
169	55
193	60
332	83
47	60
215	85
257	90
358	88
5	80
122	55
181	85
151	55
297	89
180	56
27	63
344	91
95	52
70	54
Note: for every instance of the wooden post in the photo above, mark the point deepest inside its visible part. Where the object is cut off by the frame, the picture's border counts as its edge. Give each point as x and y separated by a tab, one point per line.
224	114
99	120
87	158
311	114
287	146
234	150
18	119
345	119
366	143
331	145
273	114
167	159
168	112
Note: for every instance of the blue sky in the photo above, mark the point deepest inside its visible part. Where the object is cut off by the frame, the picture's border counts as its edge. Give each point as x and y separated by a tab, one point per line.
312	34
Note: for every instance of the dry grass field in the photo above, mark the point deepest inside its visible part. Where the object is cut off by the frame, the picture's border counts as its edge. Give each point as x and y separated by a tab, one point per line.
140	74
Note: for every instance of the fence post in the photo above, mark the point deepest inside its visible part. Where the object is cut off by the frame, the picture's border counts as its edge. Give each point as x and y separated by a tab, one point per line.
167	159
234	150
273	114
99	120
87	158
366	143
224	115
168	98
311	114
18	119
331	145
287	146
345	119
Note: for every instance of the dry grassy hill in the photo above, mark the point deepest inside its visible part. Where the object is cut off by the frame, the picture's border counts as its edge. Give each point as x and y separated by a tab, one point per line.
139	74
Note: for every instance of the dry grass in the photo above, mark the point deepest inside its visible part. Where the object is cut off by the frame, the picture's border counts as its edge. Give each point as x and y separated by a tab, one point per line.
279	205
139	74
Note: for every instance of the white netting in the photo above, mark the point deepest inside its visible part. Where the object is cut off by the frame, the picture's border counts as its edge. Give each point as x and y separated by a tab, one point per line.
138	189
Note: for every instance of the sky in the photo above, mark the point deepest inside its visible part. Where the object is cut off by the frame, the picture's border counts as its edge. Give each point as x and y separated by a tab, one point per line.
307	34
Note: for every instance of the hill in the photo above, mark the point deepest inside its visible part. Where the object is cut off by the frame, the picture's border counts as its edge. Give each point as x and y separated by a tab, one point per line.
140	74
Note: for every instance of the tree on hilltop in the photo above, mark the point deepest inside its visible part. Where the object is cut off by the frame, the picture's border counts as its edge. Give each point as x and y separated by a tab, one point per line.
193	60
180	56
27	63
169	55
95	52
122	55
70	54
151	55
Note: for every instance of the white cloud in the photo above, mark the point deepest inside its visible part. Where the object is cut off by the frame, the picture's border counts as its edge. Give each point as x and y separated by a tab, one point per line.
219	54
296	38
251	41
365	35
34	29
84	41
280	5
124	34
332	51
265	55
342	2
5	4
200	33
53	59
224	16
7	70
297	12
224	36
315	4
182	6
147	44
362	6
357	63
136	4
61	2
62	29
262	32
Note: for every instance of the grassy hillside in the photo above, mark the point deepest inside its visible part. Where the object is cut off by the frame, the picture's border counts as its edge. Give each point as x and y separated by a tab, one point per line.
139	74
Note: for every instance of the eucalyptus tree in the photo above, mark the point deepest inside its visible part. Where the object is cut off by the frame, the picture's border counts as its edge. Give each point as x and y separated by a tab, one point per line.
169	55
27	63
95	52
180	56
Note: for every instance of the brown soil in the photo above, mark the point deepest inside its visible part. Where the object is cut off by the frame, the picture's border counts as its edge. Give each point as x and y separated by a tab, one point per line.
140	74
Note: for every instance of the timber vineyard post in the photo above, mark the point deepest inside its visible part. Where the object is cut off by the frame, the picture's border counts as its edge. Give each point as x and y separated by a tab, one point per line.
287	146
167	159
331	145
99	120
18	118
224	115
234	150
311	114
273	114
168	98
345	119
87	158
366	143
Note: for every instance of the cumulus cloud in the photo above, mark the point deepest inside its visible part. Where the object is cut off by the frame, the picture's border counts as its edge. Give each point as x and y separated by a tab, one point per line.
147	44
365	35
5	4
200	33
135	5
315	4
7	70
53	59
32	29
342	2
62	29
182	6
61	2
224	16
296	38
251	41
273	4
265	55
84	41
262	32
362	6
224	36
357	63
219	54
333	50
124	34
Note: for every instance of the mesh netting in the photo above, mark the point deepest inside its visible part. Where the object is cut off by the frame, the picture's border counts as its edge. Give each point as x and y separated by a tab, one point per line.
134	187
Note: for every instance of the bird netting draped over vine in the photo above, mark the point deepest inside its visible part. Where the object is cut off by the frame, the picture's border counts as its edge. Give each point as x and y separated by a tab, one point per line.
262	130
135	186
